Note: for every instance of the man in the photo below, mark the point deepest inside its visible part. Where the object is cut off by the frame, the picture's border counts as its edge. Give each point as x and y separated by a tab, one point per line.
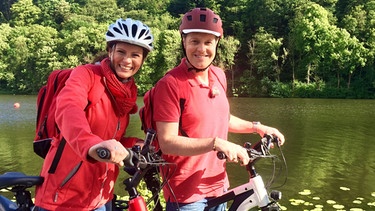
206	118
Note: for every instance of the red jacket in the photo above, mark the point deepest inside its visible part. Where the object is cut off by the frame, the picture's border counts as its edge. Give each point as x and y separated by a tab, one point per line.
81	183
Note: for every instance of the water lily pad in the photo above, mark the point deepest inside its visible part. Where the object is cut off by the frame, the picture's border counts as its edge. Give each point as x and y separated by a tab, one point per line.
308	204
296	202
344	188
283	207
331	202
305	192
338	206
357	202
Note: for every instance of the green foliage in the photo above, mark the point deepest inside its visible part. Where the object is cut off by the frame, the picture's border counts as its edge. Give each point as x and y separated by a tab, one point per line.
24	12
53	12
104	11
266	46
147	195
32	56
264	54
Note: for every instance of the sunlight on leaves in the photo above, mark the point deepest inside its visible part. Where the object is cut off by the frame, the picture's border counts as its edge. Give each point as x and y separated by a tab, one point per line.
373	194
356	209
316	198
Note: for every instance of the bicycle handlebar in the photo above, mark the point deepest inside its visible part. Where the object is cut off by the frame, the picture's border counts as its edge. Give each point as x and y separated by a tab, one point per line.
136	157
258	150
130	159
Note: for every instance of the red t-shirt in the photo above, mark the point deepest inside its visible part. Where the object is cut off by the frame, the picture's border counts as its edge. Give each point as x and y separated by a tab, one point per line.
204	116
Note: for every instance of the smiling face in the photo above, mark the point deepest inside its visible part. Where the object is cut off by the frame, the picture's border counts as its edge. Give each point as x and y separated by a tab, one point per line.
200	49
126	59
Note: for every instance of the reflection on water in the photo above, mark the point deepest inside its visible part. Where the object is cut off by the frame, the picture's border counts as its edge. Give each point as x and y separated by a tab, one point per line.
329	146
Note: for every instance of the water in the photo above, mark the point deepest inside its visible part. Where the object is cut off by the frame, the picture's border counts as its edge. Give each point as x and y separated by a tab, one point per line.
329	147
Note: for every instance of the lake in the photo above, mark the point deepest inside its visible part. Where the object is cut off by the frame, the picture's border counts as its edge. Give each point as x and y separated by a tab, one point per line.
329	148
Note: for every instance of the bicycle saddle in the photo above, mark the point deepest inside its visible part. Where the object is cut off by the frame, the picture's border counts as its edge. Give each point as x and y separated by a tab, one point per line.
10	179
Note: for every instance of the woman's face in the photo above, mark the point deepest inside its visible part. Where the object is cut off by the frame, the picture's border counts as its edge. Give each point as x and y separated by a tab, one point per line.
200	49
126	59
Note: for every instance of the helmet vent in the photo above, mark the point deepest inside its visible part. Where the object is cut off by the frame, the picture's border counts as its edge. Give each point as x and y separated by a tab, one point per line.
117	30
126	30
110	34
215	20
134	30
142	33
190	18
202	18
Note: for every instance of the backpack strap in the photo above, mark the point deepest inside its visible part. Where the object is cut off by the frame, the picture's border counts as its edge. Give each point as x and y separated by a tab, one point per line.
183	95
57	157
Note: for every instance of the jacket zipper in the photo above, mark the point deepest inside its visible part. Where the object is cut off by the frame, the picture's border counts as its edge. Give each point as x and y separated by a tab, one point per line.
67	178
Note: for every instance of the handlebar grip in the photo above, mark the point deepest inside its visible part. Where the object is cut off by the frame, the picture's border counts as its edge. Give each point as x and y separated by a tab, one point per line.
103	153
129	160
221	155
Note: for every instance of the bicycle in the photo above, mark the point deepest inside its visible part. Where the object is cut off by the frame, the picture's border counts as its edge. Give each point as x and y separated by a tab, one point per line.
142	162
254	193
139	164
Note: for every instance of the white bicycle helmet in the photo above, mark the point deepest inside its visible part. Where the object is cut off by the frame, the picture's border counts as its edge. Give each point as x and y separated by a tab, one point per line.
130	31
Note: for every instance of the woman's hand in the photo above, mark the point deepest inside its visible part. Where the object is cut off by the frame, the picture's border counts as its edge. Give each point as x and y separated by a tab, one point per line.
118	152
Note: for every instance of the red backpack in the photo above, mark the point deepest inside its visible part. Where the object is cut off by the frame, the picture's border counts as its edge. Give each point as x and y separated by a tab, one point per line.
146	112
46	127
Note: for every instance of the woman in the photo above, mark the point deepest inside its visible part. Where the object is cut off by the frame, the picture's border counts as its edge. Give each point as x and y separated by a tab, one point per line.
93	111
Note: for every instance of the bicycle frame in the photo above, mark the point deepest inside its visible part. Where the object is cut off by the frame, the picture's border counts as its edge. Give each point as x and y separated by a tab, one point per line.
254	193
244	197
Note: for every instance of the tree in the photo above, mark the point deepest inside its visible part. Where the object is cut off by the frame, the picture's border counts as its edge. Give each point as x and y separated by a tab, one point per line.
5	74
225	58
54	12
104	11
266	55
32	56
24	12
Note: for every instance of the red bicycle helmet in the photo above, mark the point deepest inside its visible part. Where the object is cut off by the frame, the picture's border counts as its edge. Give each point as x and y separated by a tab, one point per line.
201	20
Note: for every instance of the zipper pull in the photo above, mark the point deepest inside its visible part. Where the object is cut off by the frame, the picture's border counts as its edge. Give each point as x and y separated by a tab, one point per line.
118	125
56	196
